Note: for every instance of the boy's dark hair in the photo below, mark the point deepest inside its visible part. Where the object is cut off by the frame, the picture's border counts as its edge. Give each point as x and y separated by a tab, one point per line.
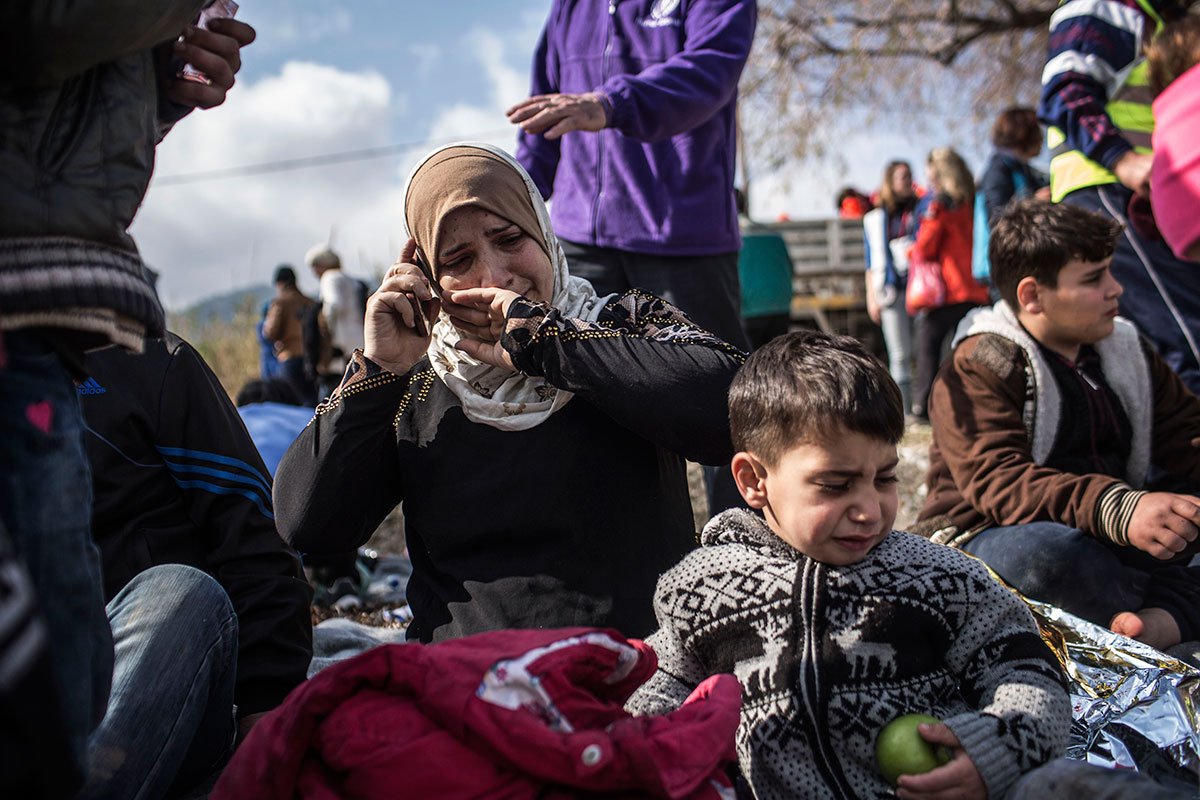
1017	128
1035	239
803	387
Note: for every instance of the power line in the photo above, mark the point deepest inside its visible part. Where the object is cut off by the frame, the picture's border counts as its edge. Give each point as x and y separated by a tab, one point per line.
305	162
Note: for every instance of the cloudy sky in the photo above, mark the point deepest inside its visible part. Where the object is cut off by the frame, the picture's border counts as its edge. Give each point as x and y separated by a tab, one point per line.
329	78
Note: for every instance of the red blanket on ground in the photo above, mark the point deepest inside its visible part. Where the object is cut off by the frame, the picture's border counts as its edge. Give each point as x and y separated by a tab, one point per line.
513	714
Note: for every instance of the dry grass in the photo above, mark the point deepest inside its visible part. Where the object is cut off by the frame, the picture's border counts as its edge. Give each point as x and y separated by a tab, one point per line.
230	348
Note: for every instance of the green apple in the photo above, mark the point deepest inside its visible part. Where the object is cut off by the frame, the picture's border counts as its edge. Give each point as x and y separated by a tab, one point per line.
900	750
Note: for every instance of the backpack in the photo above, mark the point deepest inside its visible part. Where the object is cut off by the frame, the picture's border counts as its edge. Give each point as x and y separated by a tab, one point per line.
981	265
364	293
317	341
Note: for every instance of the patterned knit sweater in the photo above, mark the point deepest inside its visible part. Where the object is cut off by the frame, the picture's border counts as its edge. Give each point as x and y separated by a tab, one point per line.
829	655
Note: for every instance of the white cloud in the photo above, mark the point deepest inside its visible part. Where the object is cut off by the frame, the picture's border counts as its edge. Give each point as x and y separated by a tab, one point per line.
211	236
504	63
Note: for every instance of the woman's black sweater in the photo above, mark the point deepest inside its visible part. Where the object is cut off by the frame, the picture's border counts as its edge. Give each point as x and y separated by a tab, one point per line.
568	523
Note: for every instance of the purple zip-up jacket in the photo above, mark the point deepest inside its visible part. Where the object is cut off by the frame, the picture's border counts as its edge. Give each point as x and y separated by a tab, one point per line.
659	179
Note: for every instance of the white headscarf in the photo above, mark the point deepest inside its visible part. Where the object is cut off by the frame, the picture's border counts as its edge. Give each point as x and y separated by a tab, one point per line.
491	395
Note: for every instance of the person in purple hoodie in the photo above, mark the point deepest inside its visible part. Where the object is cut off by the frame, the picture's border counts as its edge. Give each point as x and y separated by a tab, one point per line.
630	127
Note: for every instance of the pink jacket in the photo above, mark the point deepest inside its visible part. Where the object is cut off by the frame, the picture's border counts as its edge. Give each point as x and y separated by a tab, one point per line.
1175	177
512	714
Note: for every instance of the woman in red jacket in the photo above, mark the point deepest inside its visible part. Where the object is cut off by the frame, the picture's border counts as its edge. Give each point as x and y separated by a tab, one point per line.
944	237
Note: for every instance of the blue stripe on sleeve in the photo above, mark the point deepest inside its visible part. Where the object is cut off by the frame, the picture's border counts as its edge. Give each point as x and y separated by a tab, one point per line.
217	489
233	477
228	461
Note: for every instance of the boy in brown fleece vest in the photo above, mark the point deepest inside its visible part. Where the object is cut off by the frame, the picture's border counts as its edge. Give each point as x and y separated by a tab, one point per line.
1046	422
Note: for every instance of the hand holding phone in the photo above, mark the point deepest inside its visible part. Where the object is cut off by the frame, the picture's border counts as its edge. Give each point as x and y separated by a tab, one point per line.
400	315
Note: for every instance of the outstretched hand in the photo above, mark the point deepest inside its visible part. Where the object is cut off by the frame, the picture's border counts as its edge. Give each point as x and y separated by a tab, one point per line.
957	779
480	315
556	114
400	315
215	51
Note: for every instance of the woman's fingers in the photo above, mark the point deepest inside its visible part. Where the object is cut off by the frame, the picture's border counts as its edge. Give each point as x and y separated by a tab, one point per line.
409	252
495	300
408	279
480	297
471	314
399	304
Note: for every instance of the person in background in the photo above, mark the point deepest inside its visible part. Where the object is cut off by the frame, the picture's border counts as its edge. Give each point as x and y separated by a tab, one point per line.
852	204
630	129
944	236
889	233
1173	59
274	417
87	90
1097	104
1008	175
268	364
343	305
284	327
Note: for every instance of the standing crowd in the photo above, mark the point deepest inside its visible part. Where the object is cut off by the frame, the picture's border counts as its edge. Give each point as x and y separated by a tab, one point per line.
529	385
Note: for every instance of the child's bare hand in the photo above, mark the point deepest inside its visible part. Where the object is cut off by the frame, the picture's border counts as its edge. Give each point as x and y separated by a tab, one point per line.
958	779
1164	524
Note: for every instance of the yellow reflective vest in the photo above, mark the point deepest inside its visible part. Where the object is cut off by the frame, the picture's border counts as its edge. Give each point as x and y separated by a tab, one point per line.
1129	109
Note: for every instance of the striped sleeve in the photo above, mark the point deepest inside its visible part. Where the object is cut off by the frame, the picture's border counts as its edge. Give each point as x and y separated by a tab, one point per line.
218	474
1093	46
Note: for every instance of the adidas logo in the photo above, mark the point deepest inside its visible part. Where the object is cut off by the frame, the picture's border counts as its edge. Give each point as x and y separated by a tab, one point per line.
90	387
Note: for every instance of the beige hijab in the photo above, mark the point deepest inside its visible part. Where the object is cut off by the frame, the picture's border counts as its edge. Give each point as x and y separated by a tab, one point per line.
480	175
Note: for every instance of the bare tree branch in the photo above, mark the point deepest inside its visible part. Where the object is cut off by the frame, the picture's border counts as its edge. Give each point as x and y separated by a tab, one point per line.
819	65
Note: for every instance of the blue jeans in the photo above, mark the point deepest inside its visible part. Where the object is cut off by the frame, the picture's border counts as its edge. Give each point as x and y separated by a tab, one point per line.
46	505
897	328
1090	578
170	723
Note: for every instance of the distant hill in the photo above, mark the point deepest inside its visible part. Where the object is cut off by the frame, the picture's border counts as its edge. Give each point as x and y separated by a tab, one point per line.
223	308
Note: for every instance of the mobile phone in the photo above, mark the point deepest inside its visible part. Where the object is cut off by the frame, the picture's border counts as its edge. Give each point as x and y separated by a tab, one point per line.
426	270
215	10
423	324
420	324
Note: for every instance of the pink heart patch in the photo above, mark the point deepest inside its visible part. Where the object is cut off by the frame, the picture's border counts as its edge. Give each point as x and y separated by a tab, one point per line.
40	415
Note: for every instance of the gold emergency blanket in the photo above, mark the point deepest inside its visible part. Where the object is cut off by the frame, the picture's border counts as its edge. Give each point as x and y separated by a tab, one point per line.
1133	707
